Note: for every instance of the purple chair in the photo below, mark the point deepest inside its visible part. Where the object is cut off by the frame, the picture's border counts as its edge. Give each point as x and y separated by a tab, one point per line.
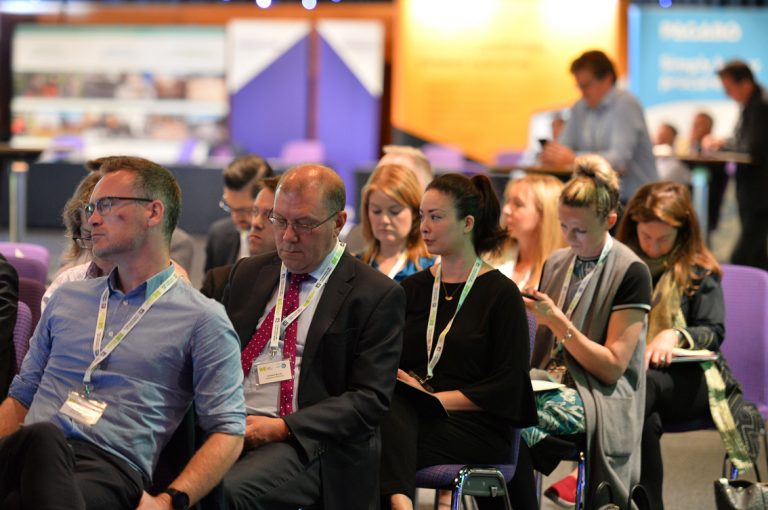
29	268
21	333
26	251
31	293
302	151
464	480
444	158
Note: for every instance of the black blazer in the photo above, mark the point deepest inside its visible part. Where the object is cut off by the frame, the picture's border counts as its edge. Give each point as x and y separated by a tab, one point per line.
214	282
348	370
222	246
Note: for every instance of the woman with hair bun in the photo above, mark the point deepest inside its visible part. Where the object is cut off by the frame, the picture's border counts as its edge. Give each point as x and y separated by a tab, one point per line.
591	308
465	341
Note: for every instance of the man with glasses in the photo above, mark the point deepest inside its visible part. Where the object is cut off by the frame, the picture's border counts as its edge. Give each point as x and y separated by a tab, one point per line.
319	362
228	237
116	363
261	239
605	121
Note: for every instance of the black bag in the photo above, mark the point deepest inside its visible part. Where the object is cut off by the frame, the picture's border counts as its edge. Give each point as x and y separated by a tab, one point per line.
599	495
637	495
740	495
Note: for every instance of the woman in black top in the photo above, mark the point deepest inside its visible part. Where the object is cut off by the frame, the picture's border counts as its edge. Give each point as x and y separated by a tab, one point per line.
476	365
687	312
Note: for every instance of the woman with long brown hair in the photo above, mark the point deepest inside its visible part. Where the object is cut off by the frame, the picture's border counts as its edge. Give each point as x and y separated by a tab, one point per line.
390	220
687	312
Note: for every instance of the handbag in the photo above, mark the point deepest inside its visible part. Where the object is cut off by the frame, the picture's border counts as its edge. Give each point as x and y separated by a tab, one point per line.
740	495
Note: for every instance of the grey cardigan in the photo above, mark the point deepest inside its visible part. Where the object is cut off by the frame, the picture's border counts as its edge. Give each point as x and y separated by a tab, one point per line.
614	413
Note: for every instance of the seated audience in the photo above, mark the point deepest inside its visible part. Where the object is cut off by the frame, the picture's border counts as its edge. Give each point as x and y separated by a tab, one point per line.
409	157
261	238
9	298
94	425
390	219
533	230
475	360
660	225
227	239
591	310
669	167
316	393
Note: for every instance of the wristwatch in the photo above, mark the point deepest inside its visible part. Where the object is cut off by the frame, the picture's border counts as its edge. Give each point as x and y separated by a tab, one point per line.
179	499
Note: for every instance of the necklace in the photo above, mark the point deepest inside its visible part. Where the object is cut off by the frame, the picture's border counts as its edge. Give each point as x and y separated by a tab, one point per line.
449	297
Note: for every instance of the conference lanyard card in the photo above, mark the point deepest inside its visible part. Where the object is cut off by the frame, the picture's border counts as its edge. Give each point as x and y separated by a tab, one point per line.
83	410
273	371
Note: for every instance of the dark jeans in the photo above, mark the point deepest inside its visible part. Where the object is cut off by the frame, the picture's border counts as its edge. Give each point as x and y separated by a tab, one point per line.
673	395
41	469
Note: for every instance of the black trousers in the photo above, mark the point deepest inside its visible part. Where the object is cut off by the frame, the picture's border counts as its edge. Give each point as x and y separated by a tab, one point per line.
41	469
675	394
273	476
411	441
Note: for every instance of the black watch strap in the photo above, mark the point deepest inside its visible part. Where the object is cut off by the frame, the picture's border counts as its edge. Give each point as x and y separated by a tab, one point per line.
179	499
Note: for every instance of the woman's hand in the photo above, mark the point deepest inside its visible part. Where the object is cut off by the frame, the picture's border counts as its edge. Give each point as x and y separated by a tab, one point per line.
543	308
659	351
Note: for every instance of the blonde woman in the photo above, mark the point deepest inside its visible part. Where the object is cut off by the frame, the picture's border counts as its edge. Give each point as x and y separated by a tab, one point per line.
529	217
390	215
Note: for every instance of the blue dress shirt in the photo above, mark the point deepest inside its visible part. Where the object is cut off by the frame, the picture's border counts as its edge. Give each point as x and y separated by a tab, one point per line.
183	350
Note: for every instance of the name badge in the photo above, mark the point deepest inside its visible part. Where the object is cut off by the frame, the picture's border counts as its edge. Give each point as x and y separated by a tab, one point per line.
82	409
273	371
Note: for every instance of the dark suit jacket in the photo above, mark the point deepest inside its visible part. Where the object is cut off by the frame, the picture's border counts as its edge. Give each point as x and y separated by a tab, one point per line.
215	281
222	245
9	299
348	370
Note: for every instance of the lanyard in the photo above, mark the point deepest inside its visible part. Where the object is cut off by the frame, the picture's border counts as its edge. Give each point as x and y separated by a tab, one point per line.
100	354
583	285
280	324
397	267
434	358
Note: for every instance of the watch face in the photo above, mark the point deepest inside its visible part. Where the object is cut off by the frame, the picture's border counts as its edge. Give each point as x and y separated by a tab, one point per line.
179	500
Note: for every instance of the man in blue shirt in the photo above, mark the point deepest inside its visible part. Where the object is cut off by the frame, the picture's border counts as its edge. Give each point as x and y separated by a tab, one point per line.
115	364
605	121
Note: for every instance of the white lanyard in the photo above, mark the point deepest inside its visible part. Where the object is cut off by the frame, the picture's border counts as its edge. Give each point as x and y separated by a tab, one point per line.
434	358
583	285
399	265
279	325
100	354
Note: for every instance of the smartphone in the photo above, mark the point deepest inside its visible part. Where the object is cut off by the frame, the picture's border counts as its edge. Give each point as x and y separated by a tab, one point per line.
543	142
529	296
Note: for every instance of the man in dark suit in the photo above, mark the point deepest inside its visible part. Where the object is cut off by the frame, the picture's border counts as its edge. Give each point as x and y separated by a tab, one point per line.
261	239
227	237
750	138
312	437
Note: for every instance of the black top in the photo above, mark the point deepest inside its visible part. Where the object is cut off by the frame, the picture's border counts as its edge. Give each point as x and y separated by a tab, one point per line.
486	354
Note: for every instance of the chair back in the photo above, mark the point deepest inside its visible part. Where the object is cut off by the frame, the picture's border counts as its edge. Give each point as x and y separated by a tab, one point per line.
745	347
31	293
26	251
444	158
22	331
29	268
302	151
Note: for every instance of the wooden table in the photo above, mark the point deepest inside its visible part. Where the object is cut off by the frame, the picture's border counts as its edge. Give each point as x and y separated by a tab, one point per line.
16	160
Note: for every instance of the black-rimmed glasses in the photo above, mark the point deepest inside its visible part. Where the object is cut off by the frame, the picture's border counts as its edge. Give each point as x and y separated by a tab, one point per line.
237	210
104	204
281	224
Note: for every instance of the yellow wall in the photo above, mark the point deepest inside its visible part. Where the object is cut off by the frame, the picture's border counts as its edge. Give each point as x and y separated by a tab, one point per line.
471	73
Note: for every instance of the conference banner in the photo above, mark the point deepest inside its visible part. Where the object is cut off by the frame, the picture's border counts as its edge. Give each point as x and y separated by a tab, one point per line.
674	55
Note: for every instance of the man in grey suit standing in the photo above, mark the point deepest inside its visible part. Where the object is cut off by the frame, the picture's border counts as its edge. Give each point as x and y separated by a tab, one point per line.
320	362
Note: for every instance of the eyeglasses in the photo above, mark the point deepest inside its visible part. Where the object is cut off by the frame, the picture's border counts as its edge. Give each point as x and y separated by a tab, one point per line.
237	210
104	204
281	224
81	240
